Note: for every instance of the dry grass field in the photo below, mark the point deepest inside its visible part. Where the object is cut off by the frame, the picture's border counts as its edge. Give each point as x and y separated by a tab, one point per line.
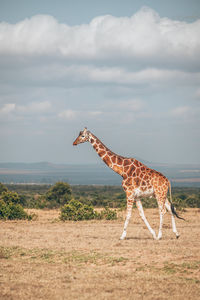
49	259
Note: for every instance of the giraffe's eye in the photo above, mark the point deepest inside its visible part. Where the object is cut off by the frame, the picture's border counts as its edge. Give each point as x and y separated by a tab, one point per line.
82	136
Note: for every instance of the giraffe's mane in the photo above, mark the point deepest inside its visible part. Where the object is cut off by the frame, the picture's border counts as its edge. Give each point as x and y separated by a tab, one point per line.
122	157
113	153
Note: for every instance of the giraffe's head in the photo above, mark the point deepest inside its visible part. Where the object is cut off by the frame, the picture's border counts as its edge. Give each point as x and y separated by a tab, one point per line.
82	138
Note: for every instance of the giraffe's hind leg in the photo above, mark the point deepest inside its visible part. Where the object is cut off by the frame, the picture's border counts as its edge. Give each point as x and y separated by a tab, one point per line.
161	212
161	196
142	215
168	206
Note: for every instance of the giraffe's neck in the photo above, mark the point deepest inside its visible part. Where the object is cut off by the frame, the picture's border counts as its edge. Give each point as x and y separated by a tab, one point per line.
112	160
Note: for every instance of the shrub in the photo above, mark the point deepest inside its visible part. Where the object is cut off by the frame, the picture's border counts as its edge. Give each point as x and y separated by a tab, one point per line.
192	202
18	212
77	211
12	211
58	194
38	202
10	197
108	214
4	210
3	188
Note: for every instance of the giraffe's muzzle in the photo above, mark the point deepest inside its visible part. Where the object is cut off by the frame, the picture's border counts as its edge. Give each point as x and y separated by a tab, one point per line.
74	143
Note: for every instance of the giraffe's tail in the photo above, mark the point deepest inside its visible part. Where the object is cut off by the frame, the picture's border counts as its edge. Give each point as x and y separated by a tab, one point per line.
172	206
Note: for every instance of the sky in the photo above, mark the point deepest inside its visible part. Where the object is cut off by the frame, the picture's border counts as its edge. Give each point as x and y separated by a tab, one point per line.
127	70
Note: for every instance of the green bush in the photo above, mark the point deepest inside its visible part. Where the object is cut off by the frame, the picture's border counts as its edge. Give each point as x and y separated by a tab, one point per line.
77	211
38	202
4	210
59	194
12	211
12	197
18	212
108	214
3	188
192	202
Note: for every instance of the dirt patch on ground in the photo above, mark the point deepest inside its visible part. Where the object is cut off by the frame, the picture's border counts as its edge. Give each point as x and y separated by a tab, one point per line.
49	259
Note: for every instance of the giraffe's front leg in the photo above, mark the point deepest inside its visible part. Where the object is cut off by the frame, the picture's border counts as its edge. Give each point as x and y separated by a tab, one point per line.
130	201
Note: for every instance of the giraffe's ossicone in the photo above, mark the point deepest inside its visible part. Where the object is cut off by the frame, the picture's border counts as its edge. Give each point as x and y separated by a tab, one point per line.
138	181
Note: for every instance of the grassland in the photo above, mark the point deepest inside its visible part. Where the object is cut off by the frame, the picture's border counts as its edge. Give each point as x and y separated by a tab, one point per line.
49	259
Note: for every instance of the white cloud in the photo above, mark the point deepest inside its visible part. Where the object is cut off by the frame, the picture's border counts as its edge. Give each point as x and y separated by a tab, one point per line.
186	113
70	114
18	112
94	113
181	111
142	49
84	74
7	108
133	105
144	37
197	94
35	107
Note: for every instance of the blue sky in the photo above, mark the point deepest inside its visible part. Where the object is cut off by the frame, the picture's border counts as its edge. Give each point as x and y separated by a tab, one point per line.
128	70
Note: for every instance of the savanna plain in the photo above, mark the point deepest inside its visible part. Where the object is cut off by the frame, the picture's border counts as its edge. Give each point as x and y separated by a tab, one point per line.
50	259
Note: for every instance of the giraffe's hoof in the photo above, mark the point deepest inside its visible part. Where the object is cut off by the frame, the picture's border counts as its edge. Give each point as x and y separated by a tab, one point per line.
177	236
159	237
154	236
123	236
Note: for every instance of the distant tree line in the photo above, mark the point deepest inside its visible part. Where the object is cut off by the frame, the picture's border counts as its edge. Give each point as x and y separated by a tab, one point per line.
59	194
56	196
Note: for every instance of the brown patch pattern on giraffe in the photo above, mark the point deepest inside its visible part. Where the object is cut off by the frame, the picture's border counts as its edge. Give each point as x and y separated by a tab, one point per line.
119	160
113	158
117	169
101	153
101	146
127	162
107	160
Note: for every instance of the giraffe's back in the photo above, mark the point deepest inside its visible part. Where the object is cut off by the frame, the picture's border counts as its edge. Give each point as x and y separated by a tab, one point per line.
142	180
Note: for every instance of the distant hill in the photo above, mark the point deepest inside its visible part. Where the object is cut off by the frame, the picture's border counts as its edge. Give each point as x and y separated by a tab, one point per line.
30	166
45	172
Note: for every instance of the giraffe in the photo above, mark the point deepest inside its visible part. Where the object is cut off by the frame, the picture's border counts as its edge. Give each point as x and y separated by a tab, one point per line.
138	181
